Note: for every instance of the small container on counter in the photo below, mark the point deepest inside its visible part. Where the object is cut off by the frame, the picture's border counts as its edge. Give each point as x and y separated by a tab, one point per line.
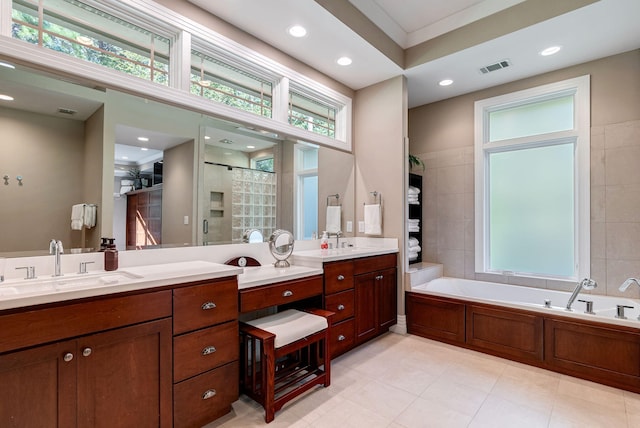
111	256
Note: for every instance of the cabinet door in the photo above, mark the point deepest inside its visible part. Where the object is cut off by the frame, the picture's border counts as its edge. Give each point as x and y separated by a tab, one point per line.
37	387
366	307
124	377
387	299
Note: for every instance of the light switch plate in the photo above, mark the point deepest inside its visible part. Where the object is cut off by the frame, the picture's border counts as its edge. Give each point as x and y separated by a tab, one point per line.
349	226
186	219
361	226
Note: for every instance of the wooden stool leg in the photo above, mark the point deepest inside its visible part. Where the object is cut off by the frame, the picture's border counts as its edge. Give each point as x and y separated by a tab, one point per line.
268	379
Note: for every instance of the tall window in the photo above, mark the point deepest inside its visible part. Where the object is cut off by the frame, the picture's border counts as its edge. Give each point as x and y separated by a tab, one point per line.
84	32
306	203
532	182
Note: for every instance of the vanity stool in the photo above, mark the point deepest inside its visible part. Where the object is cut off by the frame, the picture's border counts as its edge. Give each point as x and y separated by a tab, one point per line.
284	355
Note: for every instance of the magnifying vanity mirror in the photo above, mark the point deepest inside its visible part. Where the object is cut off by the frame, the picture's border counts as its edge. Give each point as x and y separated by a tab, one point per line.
281	247
160	175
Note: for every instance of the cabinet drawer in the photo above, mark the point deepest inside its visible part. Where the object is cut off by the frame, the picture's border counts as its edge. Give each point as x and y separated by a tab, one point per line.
203	350
341	304
204	305
342	337
255	298
338	276
375	263
206	397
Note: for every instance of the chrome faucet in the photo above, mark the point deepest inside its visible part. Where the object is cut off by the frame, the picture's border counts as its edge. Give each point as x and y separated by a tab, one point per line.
55	248
628	282
587	284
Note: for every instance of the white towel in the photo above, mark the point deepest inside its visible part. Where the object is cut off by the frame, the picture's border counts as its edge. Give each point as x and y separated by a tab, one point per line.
334	220
413	190
413	242
373	219
77	216
90	212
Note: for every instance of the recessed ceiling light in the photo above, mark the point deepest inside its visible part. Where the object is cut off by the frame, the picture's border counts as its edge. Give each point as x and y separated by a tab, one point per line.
7	65
445	82
6	97
344	60
251	147
143	139
550	51
297	31
206	137
144	149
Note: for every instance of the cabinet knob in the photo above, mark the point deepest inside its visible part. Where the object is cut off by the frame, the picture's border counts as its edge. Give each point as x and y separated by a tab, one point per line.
68	357
379	277
341	307
208	394
287	293
340	277
341	338
208	305
209	350
86	352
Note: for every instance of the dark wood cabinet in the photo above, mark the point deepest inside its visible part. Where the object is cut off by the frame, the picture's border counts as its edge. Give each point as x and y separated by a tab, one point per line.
435	318
144	218
91	381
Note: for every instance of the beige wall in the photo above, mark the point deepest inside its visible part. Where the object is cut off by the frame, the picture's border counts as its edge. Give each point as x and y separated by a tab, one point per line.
93	161
442	135
336	175
380	128
178	178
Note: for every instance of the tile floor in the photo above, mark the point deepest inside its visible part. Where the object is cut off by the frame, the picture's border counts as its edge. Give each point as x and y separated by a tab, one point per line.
406	381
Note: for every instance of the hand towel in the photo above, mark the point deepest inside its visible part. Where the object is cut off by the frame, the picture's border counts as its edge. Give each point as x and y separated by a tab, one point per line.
373	219
77	216
334	219
89	216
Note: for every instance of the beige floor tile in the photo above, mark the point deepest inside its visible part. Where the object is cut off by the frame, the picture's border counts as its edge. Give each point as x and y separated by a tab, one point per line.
582	412
408	377
497	412
461	398
592	392
426	413
537	394
383	399
351	415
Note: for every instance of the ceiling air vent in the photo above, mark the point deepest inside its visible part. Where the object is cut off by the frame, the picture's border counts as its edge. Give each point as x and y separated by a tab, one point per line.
494	67
68	111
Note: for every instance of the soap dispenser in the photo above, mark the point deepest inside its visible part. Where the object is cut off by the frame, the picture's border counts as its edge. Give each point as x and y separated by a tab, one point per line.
324	241
111	256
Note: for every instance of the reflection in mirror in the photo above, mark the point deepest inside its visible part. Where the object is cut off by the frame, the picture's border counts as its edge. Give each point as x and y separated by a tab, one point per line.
281	246
253	236
67	142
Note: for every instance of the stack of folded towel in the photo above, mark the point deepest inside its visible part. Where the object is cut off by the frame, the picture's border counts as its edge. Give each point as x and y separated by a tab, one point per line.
412	195
413	225
83	215
414	249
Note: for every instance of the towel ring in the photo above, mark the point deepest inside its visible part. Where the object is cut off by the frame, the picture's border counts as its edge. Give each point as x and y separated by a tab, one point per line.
377	197
337	196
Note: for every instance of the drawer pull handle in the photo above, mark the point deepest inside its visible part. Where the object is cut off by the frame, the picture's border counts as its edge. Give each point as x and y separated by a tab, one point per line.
340	277
209	350
341	307
287	293
208	305
209	393
379	277
341	338
68	357
86	352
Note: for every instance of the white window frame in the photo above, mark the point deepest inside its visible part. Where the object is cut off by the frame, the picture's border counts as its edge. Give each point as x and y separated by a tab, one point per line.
300	174
580	135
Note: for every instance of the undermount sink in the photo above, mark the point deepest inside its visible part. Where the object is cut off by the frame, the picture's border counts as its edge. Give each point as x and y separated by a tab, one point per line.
64	283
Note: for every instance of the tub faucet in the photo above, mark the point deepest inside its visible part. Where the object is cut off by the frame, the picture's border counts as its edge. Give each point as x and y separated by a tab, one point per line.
55	248
587	284
628	282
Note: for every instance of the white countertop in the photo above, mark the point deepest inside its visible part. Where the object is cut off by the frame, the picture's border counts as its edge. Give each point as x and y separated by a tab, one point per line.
269	274
24	292
341	254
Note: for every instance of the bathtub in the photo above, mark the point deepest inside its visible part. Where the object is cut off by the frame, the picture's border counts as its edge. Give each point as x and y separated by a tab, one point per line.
513	322
531	298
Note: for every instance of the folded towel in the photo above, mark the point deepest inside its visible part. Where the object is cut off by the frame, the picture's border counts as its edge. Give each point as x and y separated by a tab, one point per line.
77	217
334	220
413	190
415	249
373	219
413	242
90	212
413	228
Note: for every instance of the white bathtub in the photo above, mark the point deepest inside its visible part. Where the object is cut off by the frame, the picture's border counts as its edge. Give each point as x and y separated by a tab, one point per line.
530	298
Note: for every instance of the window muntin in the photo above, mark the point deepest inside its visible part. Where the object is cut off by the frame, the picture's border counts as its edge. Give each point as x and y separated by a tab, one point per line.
84	32
536	203
312	115
218	81
532	118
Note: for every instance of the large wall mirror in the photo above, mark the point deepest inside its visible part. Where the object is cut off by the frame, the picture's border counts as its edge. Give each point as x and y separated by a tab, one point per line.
159	175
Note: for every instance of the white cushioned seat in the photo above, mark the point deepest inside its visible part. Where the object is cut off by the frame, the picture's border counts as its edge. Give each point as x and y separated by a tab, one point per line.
290	325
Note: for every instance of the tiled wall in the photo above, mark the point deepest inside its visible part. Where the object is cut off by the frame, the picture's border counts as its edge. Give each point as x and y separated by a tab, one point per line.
448	211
